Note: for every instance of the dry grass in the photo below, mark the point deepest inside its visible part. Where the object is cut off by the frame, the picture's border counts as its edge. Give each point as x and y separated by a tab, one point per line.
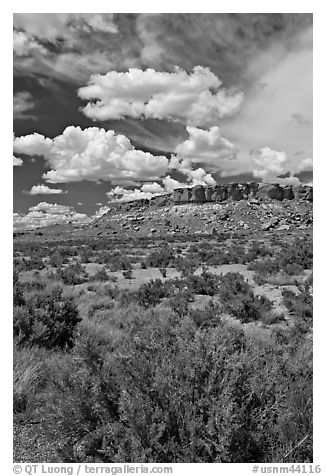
28	377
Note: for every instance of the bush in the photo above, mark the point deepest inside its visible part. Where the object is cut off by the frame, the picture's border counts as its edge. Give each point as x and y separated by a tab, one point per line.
210	316
239	299
300	307
101	275
163	272
160	258
48	320
72	274
151	293
170	391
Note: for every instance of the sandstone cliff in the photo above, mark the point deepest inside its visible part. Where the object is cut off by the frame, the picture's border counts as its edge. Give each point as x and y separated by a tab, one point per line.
242	191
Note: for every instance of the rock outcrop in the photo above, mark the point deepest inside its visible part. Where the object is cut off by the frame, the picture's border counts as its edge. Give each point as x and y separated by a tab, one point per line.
242	191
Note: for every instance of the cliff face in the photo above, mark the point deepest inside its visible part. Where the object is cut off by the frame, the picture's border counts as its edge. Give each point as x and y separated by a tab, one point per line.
242	191
223	194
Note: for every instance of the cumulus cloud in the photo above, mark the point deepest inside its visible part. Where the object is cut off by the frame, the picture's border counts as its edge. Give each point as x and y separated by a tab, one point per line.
23	102
170	184
305	165
194	98
92	154
270	165
152	187
125	195
17	162
198	177
206	147
33	144
44	190
45	214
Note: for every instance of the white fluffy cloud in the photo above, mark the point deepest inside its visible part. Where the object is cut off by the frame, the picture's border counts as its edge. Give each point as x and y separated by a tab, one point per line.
91	154
305	165
198	177
170	184
44	190
193	98
45	214
152	187
125	195
17	162
33	144
206	147
270	164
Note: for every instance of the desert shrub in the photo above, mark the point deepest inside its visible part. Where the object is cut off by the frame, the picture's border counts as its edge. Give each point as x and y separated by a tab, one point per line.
72	274
56	260
170	391
151	293
300	306
265	267
260	249
100	305
206	283
210	316
292	269
163	272
101	275
119	261
185	265
47	319
298	253
29	263
180	301
18	290
239	299
127	274
232	284
161	258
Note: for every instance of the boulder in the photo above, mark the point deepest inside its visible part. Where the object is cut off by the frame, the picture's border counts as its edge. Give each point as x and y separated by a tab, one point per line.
303	192
288	193
220	193
181	195
160	200
283	228
245	189
309	195
209	194
270	224
269	191
234	192
253	187
198	194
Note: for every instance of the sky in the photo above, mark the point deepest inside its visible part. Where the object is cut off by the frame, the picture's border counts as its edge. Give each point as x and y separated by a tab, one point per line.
124	106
